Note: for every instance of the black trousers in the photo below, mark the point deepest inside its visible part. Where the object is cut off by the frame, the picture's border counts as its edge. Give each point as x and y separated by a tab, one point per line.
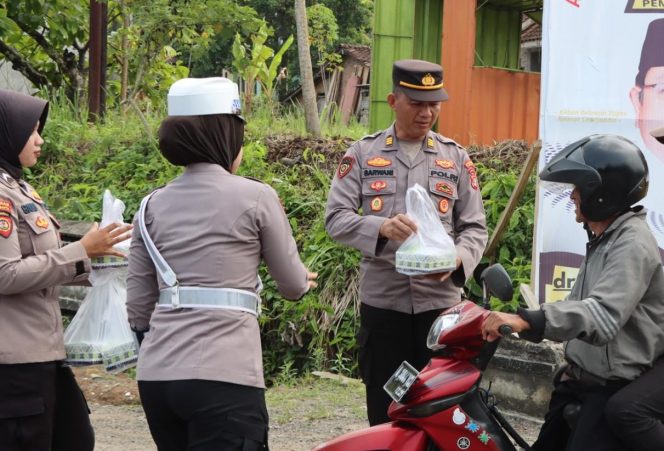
387	338
591	431
199	415
42	409
636	412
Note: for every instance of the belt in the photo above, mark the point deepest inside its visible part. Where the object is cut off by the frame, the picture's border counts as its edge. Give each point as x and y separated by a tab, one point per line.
202	297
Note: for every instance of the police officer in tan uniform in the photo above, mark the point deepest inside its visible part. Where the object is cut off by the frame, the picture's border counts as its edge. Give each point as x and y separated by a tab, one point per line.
396	310
41	406
193	286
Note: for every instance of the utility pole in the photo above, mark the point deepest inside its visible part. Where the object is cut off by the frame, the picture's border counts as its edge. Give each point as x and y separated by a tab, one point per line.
97	69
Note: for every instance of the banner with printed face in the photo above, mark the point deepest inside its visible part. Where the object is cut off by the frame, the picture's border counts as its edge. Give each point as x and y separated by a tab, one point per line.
602	72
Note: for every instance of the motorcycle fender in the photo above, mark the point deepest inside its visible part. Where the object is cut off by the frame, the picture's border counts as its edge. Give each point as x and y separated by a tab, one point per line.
388	436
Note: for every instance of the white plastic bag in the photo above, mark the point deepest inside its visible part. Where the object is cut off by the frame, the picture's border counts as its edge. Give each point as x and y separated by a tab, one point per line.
430	250
99	332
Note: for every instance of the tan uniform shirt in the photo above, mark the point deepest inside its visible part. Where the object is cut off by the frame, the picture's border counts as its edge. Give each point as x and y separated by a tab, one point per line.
32	265
212	228
373	176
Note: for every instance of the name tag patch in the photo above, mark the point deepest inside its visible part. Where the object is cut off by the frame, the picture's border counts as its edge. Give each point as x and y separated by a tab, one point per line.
29	208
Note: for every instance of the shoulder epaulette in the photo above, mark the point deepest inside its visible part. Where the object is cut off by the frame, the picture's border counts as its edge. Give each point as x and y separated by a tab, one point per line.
253	178
372	136
446	140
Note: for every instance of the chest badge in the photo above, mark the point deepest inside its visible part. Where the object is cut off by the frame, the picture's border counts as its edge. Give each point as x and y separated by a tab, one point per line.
345	166
445	164
378	185
443	206
379	162
41	222
445	188
6	206
377	203
6	226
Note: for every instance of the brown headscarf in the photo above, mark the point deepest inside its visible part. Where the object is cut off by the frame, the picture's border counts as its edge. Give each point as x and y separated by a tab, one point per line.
215	138
19	114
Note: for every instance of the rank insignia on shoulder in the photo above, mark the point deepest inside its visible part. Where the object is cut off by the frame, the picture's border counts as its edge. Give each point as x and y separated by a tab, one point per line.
6	205
377	203
379	162
378	185
430	142
6	226
443	206
36	195
41	222
345	166
445	164
29	208
389	140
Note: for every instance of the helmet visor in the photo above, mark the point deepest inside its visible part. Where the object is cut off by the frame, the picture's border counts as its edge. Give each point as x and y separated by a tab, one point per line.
557	187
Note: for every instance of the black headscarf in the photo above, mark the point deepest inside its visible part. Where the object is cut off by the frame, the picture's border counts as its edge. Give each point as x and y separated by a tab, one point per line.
215	138
19	114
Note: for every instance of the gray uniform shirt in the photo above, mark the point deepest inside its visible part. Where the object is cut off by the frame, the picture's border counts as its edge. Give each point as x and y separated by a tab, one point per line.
212	228
370	186
614	315
32	266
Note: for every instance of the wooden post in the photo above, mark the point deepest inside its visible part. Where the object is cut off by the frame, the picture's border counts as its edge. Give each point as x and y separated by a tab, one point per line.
504	219
97	69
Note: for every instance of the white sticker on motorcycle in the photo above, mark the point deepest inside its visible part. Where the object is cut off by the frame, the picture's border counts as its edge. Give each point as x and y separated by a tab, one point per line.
463	442
458	417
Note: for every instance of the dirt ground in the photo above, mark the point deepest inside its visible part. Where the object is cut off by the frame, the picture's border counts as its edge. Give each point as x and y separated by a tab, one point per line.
301	416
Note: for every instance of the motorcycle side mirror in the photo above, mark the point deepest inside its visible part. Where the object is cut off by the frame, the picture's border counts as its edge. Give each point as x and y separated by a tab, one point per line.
497	282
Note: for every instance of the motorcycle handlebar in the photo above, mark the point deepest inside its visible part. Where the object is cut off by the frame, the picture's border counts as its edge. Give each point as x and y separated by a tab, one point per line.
505	330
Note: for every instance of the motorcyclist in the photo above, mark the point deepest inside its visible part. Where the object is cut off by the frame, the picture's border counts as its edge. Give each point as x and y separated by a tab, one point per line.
612	317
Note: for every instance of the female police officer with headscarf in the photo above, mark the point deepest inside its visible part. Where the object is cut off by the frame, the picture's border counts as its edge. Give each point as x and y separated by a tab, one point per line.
193	284
41	406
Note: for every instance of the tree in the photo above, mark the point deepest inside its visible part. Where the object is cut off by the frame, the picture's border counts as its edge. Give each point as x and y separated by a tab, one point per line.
47	41
306	72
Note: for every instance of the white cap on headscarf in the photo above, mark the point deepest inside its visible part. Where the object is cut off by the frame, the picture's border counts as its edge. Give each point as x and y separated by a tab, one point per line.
204	96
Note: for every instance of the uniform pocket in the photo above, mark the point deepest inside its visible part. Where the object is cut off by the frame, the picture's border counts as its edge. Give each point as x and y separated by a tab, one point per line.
378	196
443	193
43	234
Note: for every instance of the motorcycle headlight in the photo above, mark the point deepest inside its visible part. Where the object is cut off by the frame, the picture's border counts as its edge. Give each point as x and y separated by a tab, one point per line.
440	325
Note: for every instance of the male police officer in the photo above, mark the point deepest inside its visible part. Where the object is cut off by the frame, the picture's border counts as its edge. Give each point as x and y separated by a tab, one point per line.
374	174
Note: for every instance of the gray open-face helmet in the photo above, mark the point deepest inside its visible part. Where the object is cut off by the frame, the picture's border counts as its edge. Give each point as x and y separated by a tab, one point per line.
610	172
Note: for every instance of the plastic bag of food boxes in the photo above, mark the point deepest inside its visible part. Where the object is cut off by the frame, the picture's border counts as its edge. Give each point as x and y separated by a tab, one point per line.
430	250
99	333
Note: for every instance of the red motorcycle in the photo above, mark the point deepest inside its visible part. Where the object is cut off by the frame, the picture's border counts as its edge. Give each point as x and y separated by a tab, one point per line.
443	407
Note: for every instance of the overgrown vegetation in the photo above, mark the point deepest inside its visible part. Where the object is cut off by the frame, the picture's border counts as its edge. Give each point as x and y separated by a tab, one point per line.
80	160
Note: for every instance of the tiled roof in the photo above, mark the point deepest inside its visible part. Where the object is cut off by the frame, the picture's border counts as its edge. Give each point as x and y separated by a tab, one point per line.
361	53
532	33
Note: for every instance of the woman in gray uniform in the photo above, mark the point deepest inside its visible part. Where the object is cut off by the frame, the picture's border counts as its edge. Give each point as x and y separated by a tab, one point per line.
193	285
41	406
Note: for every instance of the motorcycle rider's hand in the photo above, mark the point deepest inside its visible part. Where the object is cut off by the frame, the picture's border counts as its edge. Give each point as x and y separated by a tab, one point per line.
397	228
493	322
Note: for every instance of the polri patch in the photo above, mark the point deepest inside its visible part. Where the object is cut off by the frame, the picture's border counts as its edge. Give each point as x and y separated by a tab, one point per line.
445	164
378	185
29	208
443	206
41	222
379	162
345	166
377	203
6	205
6	226
472	171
